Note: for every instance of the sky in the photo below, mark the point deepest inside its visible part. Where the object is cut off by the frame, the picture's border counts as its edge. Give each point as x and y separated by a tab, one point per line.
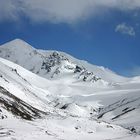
102	32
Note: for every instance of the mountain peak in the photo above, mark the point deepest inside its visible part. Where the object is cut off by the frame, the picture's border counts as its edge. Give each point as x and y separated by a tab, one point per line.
50	63
18	40
17	43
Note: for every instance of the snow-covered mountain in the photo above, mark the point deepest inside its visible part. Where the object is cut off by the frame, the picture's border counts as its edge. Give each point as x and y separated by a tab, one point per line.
54	64
49	105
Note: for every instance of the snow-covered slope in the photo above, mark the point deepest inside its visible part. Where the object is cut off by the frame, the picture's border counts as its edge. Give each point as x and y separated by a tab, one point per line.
24	95
54	64
61	107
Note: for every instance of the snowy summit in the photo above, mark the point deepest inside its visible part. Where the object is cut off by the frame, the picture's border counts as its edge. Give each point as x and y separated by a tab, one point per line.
52	95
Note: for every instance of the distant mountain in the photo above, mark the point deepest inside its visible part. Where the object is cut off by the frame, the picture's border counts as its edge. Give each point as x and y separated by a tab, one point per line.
54	64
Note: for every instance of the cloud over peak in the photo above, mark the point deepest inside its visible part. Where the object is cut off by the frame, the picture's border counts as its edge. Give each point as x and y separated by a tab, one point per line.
60	10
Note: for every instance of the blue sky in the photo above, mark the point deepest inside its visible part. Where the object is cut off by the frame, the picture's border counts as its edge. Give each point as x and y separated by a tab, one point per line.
106	33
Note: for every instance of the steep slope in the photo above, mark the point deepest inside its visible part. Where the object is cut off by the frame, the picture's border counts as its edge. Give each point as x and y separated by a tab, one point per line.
24	95
20	84
70	101
100	71
54	65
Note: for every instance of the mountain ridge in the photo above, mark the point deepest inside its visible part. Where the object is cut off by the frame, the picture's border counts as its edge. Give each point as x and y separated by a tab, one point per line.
35	60
63	107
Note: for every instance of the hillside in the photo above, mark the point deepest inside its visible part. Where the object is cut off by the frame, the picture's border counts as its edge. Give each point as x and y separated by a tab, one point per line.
65	106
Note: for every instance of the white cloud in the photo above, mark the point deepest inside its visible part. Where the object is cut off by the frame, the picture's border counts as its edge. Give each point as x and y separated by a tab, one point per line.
8	10
125	29
60	10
